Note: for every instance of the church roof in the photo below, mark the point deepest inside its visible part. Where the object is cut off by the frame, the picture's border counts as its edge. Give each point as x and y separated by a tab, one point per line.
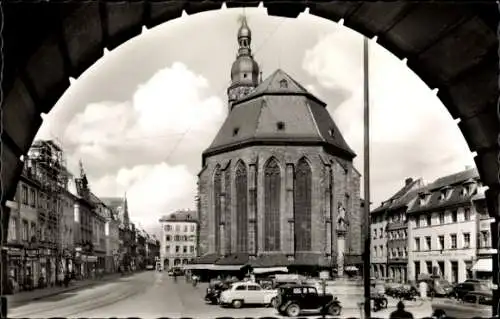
279	101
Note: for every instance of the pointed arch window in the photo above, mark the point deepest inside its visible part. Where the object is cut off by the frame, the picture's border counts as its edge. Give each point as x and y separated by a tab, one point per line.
217	206
241	208
302	206
272	194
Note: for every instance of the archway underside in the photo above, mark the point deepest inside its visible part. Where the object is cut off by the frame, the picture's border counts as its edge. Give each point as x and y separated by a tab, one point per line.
452	47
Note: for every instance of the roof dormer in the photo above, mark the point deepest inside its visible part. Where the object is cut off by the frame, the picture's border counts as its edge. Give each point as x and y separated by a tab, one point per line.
445	193
468	187
423	198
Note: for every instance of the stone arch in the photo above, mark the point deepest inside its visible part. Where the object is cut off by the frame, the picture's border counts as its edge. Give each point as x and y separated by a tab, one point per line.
65	40
177	261
302	198
166	263
272	205
185	261
217	191
241	197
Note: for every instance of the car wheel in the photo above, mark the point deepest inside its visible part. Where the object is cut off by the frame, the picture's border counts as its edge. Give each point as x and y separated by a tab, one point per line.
383	303
334	310
237	304
274	302
293	310
439	314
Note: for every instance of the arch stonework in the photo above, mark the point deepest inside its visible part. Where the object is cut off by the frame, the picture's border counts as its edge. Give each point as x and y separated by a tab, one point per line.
453	48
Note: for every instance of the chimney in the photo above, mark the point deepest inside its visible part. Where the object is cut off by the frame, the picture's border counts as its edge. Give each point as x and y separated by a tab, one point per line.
408	181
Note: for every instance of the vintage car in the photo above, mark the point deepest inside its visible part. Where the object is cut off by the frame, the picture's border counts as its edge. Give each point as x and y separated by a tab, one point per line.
247	293
215	288
292	299
462	289
473	305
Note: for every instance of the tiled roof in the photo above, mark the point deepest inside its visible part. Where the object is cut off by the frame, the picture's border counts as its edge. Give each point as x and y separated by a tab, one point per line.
454	183
270	261
233	259
206	259
179	216
392	202
255	119
452	179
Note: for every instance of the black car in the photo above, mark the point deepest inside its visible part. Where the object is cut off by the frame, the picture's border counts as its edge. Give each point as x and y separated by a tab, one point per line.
292	299
462	289
214	290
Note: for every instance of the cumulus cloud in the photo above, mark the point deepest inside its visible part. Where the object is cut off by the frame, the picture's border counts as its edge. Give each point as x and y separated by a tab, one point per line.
412	134
149	146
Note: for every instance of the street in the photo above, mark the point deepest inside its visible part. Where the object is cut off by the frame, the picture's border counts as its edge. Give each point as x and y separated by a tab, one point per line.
152	295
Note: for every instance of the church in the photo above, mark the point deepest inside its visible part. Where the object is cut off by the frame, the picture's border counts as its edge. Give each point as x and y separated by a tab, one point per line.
277	186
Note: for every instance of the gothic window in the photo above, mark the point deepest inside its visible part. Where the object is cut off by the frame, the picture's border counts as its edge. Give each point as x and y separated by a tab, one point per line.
302	206
217	206
227	179
241	208
272	194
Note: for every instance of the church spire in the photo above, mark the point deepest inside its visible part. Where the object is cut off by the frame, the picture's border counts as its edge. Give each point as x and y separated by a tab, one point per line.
245	71
126	219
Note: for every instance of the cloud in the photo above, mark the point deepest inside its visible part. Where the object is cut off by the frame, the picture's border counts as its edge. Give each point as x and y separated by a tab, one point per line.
149	146
411	132
152	190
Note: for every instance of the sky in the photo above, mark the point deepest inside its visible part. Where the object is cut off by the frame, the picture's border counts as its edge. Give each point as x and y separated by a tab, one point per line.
141	116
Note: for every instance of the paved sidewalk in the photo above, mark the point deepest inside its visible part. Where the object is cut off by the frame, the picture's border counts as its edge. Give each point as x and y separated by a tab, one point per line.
24	297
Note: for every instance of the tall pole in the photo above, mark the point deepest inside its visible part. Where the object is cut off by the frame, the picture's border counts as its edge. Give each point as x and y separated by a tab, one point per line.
366	175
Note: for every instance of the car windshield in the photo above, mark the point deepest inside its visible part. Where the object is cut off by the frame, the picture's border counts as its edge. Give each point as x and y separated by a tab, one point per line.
443	283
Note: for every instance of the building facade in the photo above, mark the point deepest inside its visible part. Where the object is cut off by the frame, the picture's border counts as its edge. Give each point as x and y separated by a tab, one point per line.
278	186
111	233
483	267
179	238
99	216
442	228
23	236
389	233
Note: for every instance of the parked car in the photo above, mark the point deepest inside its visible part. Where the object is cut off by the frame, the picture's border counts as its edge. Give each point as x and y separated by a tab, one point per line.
292	299
391	288
150	267
406	292
474	304
247	293
215	288
464	288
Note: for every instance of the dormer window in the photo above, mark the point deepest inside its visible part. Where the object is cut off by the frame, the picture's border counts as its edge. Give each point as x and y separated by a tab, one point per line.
235	131
331	132
283	84
445	193
280	126
423	198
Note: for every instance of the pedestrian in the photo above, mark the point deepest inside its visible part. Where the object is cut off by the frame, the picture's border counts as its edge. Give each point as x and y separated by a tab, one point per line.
401	313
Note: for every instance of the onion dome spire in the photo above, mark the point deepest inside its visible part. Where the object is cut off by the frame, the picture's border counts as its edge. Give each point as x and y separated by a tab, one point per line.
244	71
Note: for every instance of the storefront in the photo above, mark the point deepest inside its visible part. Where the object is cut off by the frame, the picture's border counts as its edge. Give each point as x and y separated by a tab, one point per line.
15	266
483	269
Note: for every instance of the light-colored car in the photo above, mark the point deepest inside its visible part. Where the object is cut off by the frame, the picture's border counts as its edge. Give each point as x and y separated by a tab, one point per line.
474	304
247	293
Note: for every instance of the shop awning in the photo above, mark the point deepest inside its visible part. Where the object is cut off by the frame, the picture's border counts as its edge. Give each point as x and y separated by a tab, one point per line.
212	267
263	270
485	265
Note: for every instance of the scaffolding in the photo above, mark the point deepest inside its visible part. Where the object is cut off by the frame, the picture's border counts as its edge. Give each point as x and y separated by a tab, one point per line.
47	159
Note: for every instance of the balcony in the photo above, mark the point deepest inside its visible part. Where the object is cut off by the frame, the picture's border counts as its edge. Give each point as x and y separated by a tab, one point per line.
396	226
486	251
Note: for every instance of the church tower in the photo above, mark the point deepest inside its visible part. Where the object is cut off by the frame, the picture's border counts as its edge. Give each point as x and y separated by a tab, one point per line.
245	71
